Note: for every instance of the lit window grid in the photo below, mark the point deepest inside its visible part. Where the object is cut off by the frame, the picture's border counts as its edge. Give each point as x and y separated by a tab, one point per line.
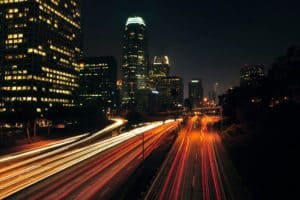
64	51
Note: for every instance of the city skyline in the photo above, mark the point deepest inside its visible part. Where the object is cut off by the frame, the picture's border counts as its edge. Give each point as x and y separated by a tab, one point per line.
92	103
209	39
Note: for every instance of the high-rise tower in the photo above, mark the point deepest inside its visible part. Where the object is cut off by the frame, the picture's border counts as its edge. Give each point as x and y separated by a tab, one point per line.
196	92
40	42
135	59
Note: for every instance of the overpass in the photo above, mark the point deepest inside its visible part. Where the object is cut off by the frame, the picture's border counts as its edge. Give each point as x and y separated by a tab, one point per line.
211	110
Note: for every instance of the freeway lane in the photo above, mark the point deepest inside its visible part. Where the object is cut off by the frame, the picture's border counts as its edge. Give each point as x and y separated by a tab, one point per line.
31	170
99	176
197	167
66	144
39	148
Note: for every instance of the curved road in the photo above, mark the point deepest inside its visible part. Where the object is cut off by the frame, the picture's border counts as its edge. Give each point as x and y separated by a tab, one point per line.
90	171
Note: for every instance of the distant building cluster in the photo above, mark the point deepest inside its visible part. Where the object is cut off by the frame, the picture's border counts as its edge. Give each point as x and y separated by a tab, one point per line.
42	64
258	91
145	83
43	67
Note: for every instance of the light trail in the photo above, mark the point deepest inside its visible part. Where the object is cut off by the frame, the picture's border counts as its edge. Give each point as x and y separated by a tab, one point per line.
11	157
134	156
20	155
58	160
193	166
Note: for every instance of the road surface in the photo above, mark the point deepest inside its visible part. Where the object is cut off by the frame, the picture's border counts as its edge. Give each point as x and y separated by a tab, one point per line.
197	167
67	143
32	172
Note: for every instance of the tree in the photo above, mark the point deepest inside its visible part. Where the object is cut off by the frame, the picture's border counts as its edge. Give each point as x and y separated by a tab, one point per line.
23	114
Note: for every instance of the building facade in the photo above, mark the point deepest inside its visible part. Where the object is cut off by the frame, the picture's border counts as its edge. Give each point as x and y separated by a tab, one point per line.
196	92
40	43
147	101
251	75
159	69
171	91
134	60
98	82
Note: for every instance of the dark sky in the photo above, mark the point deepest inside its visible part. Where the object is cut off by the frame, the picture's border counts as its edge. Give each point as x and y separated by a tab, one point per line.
209	39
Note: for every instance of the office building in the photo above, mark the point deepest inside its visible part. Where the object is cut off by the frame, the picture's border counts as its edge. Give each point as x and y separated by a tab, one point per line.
98	82
171	91
40	42
147	101
196	92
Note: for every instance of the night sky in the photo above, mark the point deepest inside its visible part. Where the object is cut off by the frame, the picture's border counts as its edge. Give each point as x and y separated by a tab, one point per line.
209	39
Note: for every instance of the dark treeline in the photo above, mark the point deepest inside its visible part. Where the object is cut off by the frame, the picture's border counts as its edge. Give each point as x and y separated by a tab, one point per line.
262	132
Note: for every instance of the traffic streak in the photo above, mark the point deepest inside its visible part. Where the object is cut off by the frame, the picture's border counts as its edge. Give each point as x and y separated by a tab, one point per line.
31	170
196	167
99	176
73	141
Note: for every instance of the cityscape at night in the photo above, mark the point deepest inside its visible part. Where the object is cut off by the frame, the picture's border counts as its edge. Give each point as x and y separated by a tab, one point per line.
156	99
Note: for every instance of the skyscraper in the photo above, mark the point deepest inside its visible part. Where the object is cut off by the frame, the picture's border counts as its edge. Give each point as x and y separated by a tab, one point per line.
251	75
40	42
195	92
159	69
98	81
134	60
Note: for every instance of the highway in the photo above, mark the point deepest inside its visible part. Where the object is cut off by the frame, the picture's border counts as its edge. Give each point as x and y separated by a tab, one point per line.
39	147
114	154
66	143
197	167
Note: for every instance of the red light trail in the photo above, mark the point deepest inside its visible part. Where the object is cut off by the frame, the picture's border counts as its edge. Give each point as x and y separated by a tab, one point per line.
194	168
